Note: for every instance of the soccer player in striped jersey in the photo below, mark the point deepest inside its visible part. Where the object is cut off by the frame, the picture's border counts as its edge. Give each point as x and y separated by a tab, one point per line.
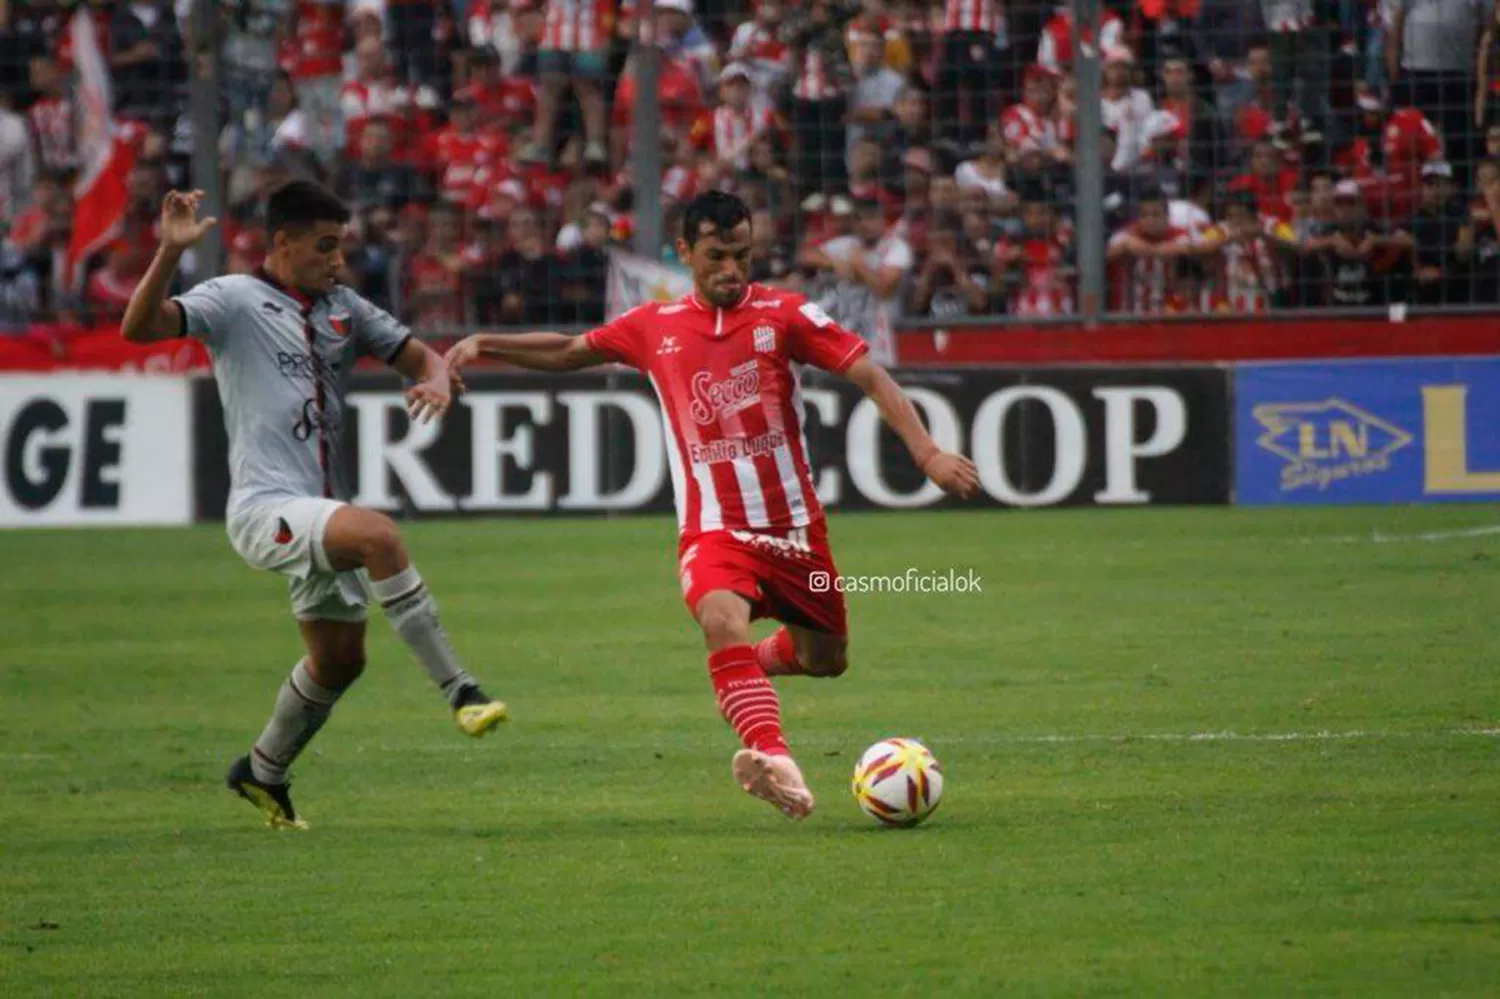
283	342
752	538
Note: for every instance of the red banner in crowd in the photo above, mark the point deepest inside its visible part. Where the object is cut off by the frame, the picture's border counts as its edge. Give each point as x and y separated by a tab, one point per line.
56	348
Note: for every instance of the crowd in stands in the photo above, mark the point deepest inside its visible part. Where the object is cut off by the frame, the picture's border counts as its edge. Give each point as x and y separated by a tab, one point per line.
903	159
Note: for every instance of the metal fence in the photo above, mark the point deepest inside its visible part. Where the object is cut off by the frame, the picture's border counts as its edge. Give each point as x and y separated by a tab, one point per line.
908	163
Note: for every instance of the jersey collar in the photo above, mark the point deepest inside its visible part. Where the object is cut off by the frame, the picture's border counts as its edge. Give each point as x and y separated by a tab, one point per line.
302	300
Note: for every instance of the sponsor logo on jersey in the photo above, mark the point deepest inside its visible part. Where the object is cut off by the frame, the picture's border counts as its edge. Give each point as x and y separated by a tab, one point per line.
794	545
1327	442
815	314
295	364
272	308
712	452
766	303
765	339
714	400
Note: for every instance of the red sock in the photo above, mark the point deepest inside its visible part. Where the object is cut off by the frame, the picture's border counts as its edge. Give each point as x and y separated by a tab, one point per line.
746	699
776	653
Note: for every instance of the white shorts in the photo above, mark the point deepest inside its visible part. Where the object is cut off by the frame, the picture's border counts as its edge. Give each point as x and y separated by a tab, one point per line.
286	536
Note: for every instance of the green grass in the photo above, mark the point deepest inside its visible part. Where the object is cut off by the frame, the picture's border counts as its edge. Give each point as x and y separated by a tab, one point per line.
597	846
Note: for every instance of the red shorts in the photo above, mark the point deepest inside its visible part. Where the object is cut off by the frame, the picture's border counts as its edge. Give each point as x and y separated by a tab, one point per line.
787	575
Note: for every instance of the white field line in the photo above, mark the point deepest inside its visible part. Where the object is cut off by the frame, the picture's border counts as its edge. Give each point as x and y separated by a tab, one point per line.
1376	537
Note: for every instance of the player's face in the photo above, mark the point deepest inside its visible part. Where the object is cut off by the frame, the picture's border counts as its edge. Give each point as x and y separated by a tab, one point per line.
720	263
314	256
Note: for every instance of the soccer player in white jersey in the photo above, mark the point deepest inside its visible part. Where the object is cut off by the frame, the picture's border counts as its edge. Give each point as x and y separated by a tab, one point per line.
283	342
752	540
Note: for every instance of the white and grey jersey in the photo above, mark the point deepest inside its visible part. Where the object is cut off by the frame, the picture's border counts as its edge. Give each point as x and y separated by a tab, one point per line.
282	362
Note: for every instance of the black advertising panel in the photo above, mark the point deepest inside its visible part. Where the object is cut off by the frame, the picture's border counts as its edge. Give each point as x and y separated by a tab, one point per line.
593	443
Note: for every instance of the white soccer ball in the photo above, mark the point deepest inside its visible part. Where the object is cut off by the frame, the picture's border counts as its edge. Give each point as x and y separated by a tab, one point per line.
898	782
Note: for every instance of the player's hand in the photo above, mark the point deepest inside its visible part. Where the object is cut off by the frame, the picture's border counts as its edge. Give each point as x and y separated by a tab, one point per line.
954	473
427	401
458	357
180	225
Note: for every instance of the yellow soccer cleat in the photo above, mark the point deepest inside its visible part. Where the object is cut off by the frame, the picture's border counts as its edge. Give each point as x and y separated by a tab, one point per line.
476	719
273	800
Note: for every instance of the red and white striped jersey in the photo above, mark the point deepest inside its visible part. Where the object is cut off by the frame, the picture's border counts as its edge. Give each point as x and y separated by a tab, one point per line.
815	82
731	402
971	15
406	112
1025	129
458	158
1055	50
727	133
1142	286
1044	290
578	25
1249	272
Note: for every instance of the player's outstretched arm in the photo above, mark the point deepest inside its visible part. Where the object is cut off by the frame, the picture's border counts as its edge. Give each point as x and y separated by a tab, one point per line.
432	394
955	473
150	315
536	351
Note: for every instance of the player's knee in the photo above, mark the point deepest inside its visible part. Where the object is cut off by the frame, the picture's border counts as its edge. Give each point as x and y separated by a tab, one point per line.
381	541
722	627
338	671
827	661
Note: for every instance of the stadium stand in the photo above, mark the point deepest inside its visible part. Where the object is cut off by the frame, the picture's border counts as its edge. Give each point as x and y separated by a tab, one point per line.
1258	155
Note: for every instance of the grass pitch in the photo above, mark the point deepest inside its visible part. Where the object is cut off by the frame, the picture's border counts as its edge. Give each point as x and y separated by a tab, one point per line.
1211	752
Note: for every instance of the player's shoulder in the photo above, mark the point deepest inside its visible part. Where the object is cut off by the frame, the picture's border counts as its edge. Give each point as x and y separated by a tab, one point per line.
346	298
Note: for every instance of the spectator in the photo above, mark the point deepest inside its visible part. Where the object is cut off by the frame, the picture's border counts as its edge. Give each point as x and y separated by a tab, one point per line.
507	101
951	282
1034	272
375	179
1269	181
1145	260
870	265
375	92
968	68
435	284
1299	65
765	181
734	125
1431	54
771	260
759	45
51	116
583	270
872	102
499	29
913	130
819	98
1125	108
312	52
1248	250
1359	261
1435	235
1203	144
1029	126
522	269
107	290
463	148
414	29
1479	242
866	178
574	50
1055	51
683	41
146	60
1247	104
17	164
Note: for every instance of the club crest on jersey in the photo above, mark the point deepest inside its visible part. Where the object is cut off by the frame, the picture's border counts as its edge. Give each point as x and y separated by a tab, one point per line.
669	345
765	339
713	400
283	534
339	323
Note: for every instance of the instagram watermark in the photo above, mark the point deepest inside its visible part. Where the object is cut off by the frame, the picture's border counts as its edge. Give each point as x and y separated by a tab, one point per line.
913	580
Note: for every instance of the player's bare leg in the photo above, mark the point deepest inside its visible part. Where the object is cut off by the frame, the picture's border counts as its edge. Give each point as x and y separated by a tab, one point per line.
764	768
797	651
356	538
335	659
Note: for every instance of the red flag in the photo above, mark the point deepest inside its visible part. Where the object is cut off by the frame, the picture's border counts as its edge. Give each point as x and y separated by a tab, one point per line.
106	157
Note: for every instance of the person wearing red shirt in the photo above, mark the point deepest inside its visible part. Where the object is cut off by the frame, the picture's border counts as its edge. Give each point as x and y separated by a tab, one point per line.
434	288
1055	50
313	54
678	92
1270	181
1035	271
1030	126
462	149
506	101
375	93
753	541
1144	260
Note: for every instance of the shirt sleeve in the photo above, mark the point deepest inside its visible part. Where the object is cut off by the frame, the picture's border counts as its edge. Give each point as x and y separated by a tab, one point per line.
206	308
619	341
377	333
814	338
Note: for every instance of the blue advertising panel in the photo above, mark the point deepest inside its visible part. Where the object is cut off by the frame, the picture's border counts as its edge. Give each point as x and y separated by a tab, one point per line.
1367	432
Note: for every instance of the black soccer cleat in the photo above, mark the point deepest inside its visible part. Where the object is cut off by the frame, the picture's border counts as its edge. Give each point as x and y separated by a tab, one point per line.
273	800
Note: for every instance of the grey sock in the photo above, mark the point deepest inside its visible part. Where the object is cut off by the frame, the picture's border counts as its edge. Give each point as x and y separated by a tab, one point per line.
302	706
413	613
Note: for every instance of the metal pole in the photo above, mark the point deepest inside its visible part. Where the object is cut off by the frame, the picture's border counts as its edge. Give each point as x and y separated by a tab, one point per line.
207	171
1088	167
645	140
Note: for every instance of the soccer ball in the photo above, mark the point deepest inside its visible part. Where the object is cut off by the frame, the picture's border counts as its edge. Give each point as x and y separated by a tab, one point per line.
898	782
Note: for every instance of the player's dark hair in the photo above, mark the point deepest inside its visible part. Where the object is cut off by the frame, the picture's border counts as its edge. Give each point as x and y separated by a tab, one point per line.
718	209
301	203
